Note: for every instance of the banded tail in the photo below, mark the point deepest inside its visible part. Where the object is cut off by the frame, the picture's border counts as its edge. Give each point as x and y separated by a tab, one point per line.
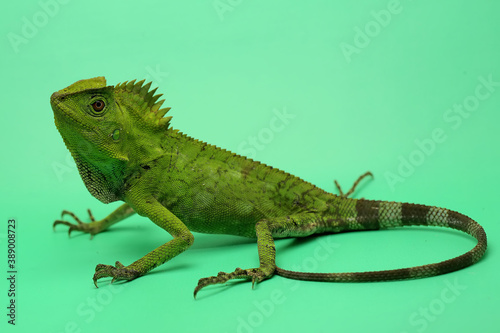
396	214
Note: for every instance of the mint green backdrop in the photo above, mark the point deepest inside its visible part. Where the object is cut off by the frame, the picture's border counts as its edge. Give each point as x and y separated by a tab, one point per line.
409	90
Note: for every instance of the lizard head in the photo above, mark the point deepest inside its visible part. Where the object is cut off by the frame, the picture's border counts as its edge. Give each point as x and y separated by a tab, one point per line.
109	128
86	115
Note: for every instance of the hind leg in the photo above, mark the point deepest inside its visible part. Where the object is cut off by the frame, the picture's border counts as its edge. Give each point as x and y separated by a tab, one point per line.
353	188
267	256
299	225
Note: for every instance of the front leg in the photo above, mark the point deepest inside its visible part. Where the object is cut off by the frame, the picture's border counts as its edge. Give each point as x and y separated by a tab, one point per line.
94	227
161	216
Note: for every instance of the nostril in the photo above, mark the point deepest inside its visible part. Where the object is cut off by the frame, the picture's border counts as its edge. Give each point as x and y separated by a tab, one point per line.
55	97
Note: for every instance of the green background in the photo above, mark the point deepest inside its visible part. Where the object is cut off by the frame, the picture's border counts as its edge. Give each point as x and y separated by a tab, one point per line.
364	89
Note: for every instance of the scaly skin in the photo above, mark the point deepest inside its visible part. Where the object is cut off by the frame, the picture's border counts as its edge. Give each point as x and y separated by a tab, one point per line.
125	150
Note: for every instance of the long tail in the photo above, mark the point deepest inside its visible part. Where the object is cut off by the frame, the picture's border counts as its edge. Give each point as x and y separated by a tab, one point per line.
383	214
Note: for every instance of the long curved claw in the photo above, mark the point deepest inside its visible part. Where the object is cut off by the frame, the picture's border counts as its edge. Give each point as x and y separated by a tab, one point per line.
67	212
117	272
66	223
89	228
254	274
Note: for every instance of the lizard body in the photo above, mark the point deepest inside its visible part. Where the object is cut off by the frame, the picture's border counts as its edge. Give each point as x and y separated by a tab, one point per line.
126	150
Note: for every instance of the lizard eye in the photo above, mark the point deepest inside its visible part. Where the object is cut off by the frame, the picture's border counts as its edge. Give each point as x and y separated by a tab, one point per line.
98	105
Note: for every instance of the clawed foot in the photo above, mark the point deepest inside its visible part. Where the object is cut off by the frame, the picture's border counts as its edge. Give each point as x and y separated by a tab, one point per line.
254	274
117	272
91	228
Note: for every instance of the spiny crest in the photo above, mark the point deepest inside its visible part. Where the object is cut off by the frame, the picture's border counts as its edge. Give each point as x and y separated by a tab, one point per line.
145	102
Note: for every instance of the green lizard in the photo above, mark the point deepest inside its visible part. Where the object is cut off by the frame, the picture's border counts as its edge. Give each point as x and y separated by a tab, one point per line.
125	150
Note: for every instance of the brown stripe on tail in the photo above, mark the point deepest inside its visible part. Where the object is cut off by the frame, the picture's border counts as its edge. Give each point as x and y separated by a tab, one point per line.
394	214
